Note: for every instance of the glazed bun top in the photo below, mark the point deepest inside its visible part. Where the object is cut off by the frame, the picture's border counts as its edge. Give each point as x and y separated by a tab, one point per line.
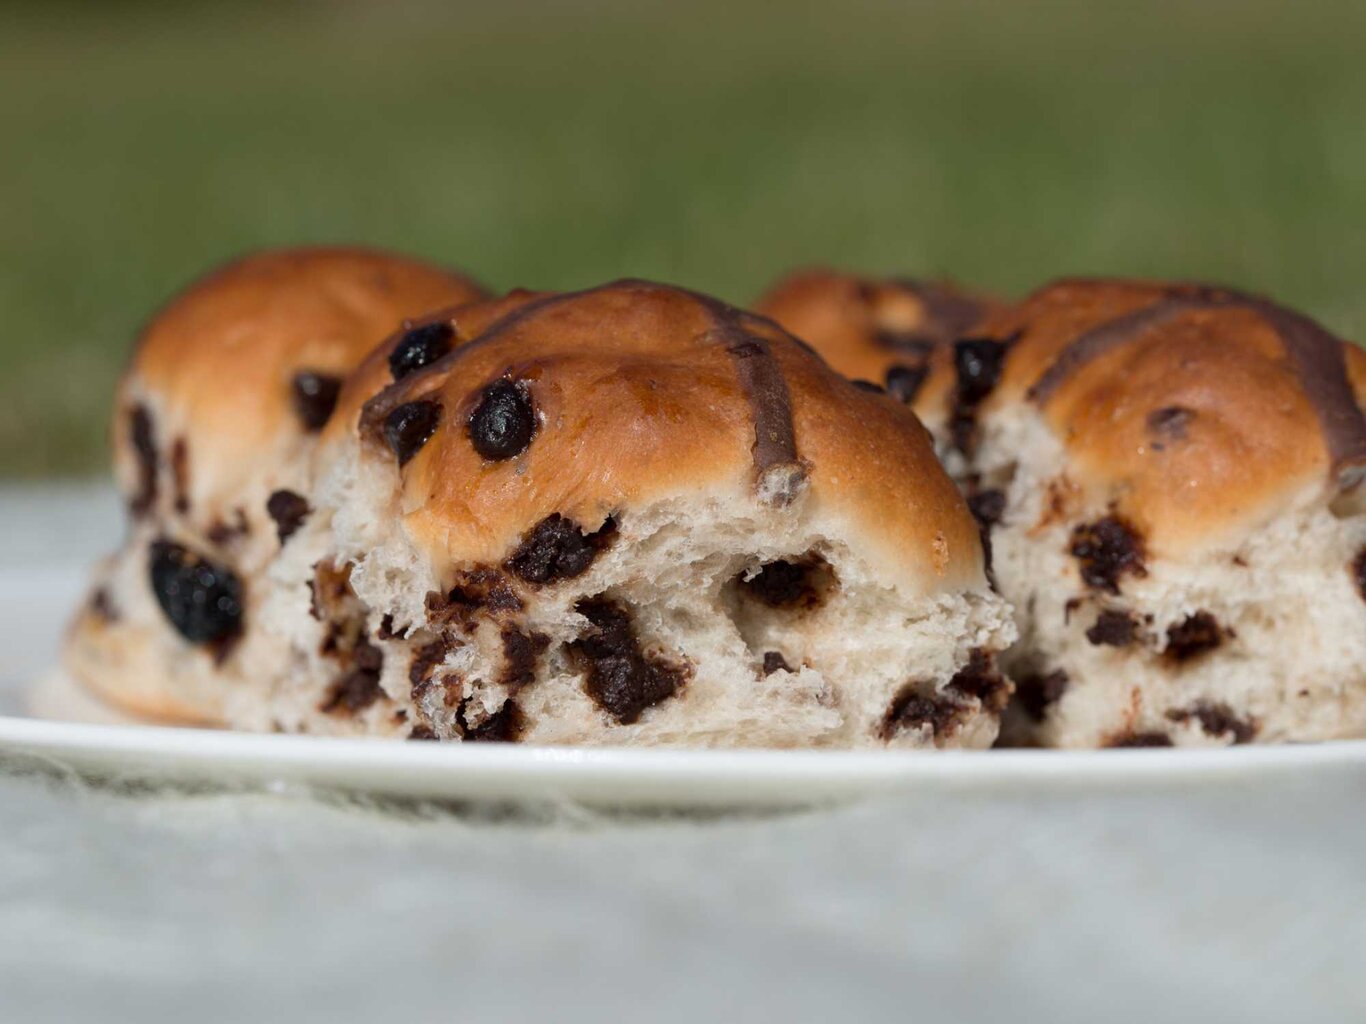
593	404
244	364
1195	408
896	332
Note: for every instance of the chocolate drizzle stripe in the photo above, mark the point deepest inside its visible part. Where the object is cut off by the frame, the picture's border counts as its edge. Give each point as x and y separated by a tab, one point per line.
1316	356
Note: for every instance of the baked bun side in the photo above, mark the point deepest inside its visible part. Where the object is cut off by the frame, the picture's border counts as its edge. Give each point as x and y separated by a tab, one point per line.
228	390
634	515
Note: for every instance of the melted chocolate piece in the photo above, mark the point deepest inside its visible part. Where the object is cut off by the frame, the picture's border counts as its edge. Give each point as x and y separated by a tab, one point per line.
980	679
142	436
222	534
180	474
978	683
1217	720
503	726
409	427
904	382
201	599
801	583
315	396
423	732
1141	739
1036	693
1113	629
386	628
1359	571
289	510
504	422
474	590
521	652
1170	424
1193	636
557	549
987	507
358	688
426	658
977	363
775	662
421	346
1108	549
619	676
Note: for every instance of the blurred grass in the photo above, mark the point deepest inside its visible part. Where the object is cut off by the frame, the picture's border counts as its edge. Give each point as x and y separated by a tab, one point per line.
716	144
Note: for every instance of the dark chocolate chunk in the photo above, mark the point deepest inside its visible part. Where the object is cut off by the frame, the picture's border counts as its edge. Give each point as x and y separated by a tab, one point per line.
1170	424
980	679
222	533
868	385
1193	636
801	583
556	549
180	474
142	436
423	732
420	346
504	421
358	688
1217	720
386	628
988	506
1141	739
1036	693
904	382
1113	629
619	676
1108	549
977	363
474	590
410	426
944	711
202	600
289	510
1359	571
426	658
503	726
775	662
315	396
521	652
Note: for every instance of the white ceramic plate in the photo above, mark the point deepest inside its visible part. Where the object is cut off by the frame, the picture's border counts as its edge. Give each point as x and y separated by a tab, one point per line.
43	714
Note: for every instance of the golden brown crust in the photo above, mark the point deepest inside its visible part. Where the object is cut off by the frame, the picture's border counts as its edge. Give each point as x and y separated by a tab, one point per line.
865	326
1185	405
219	360
643	392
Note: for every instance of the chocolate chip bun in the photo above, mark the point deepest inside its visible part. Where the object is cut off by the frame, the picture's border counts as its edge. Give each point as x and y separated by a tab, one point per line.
1172	476
898	333
229	388
629	515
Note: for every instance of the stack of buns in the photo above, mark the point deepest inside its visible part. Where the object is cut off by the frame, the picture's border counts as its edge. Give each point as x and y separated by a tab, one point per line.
367	498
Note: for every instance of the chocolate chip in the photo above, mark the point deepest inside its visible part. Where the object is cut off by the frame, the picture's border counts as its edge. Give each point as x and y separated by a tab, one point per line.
556	549
521	652
419	347
1141	739
977	363
289	510
426	658
801	583
1036	693
1193	636
1359	571
503	422
315	396
410	426
619	676
358	688
142	436
980	679
1108	549
221	533
868	385
775	662
1113	629
1170	423
386	628
180	474
202	600
904	382
944	711
474	590
503	726
1217	720
423	732
987	507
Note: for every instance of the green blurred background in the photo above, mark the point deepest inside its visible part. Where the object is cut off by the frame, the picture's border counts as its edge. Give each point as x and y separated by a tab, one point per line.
562	143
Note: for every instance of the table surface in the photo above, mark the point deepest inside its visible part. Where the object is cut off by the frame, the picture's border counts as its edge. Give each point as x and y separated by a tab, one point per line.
132	900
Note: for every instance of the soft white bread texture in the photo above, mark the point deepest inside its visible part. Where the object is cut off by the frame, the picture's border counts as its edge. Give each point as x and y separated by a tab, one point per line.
229	387
631	515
